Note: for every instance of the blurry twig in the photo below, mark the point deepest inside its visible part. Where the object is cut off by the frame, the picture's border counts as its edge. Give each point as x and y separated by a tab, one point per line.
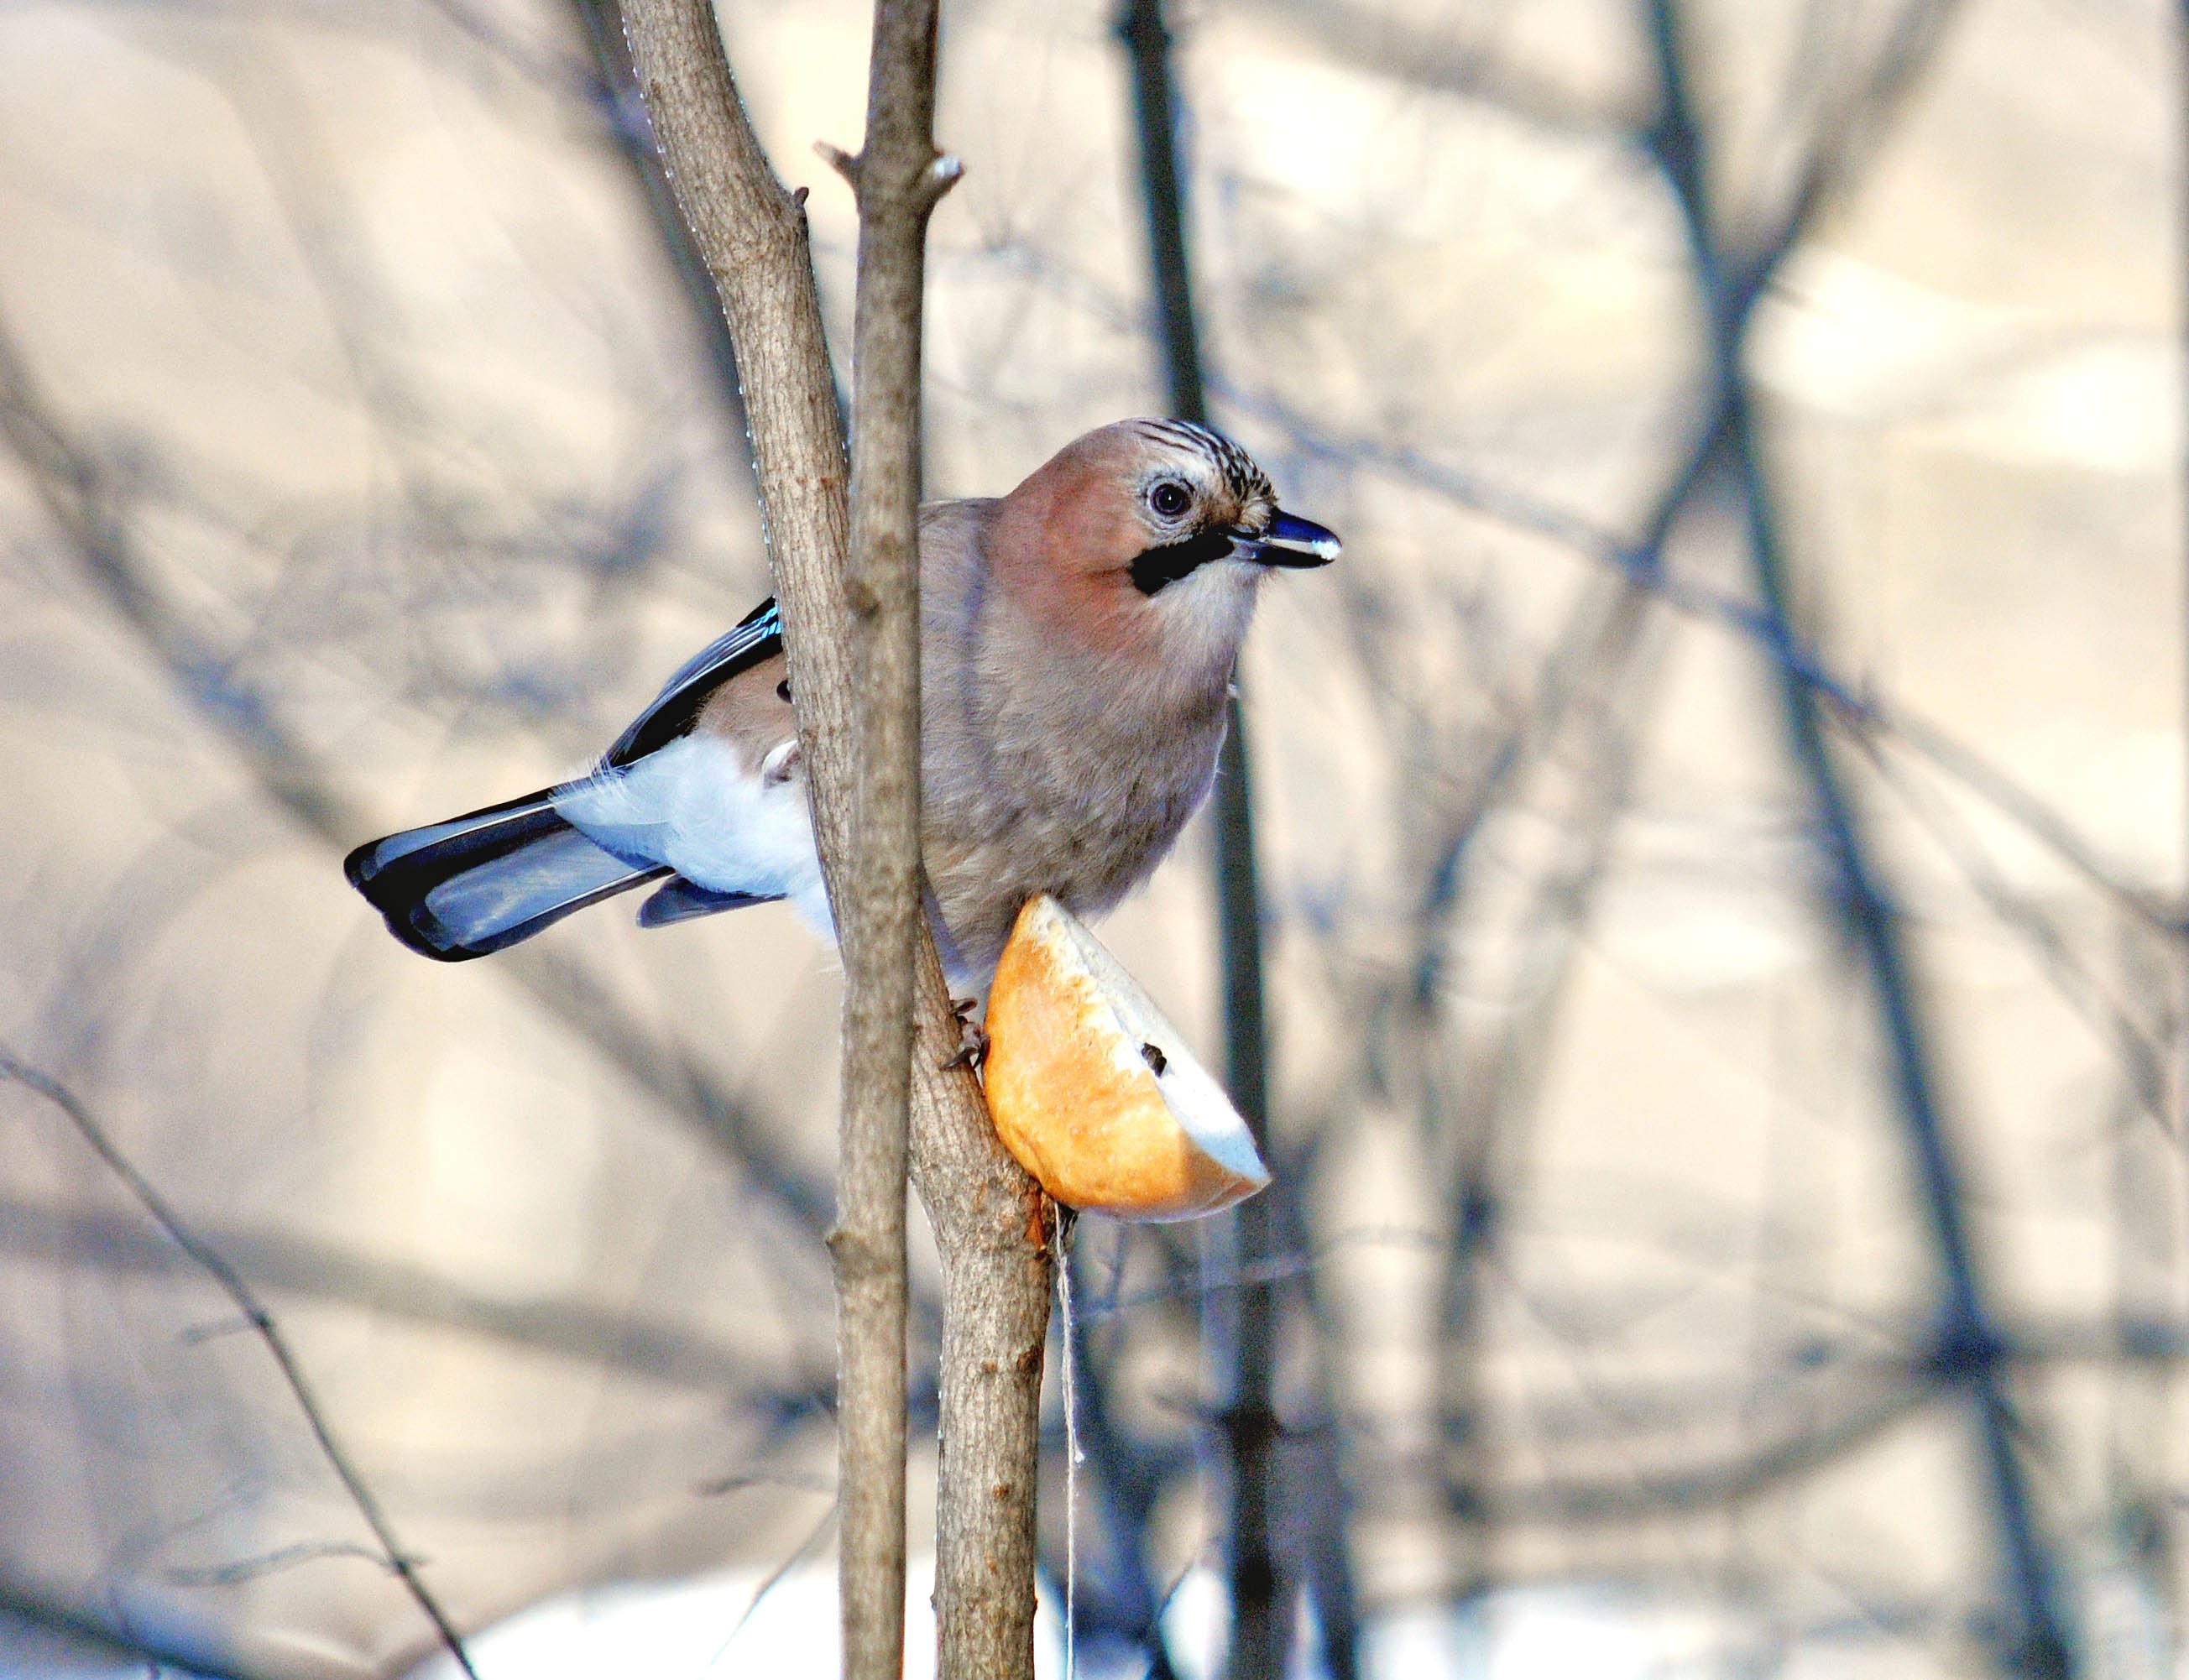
1845	1399
1728	285
775	1579
2088	995
1432	51
1260	1600
1496	1090
1857	705
1959	762
392	1555
1269	1268
1644	1495
715	1486
85	499
240	1570
617	91
1316	1457
569	1330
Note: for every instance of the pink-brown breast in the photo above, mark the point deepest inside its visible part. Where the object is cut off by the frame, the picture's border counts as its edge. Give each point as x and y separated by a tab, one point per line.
752	711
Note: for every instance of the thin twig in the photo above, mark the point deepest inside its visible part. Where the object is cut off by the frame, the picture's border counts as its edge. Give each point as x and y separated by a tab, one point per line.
1130	1477
775	1578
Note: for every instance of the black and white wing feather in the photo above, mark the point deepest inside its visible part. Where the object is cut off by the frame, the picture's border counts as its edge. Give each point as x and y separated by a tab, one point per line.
758	636
484	881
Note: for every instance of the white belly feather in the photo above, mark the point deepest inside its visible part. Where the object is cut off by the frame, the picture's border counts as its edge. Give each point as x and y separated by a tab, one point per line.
695	806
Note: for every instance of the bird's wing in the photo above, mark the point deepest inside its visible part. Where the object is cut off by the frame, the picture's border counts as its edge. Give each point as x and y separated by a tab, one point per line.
759	636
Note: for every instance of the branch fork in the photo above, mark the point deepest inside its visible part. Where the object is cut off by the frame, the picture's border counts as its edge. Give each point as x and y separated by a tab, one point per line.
931	183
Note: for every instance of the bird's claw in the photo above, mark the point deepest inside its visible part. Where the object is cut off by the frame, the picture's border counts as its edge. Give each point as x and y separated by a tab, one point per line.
973	1040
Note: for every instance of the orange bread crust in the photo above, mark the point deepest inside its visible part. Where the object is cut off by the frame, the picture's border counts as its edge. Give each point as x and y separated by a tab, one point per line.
1089	1124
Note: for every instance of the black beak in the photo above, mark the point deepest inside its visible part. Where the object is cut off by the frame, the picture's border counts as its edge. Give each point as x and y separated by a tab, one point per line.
1290	540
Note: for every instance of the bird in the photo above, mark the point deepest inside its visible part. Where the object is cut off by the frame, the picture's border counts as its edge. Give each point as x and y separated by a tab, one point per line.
1078	640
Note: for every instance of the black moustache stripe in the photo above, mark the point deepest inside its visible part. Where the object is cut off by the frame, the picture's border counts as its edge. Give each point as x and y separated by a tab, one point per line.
1153	568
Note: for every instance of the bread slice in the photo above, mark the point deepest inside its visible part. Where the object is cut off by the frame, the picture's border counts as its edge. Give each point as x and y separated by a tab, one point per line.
1096	1093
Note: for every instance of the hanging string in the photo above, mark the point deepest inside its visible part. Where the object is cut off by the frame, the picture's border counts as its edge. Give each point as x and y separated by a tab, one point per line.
1073	1458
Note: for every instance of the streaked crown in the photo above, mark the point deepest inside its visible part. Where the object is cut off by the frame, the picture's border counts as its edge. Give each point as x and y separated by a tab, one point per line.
1242	475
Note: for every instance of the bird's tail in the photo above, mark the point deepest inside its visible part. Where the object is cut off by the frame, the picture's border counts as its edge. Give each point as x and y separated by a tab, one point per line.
477	883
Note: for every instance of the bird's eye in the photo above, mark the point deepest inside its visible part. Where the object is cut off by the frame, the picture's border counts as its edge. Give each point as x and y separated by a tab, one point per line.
1170	499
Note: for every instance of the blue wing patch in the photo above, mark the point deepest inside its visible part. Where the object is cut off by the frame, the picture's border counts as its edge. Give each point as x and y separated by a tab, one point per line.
758	636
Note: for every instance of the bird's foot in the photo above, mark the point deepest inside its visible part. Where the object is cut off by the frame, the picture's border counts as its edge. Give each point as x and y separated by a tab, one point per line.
973	1039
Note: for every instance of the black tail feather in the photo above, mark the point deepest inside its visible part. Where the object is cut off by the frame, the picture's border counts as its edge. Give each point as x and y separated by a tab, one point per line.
484	881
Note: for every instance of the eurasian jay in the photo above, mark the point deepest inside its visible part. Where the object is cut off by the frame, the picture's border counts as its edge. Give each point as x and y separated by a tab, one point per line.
1078	638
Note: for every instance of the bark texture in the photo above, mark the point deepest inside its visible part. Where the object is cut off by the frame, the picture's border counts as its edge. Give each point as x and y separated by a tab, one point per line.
990	1219
897	177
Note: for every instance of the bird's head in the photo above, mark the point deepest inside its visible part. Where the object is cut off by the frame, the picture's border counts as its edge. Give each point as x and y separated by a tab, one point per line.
1153	535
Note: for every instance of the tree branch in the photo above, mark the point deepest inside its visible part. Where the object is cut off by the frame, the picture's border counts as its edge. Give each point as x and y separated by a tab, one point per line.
989	1219
898	178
